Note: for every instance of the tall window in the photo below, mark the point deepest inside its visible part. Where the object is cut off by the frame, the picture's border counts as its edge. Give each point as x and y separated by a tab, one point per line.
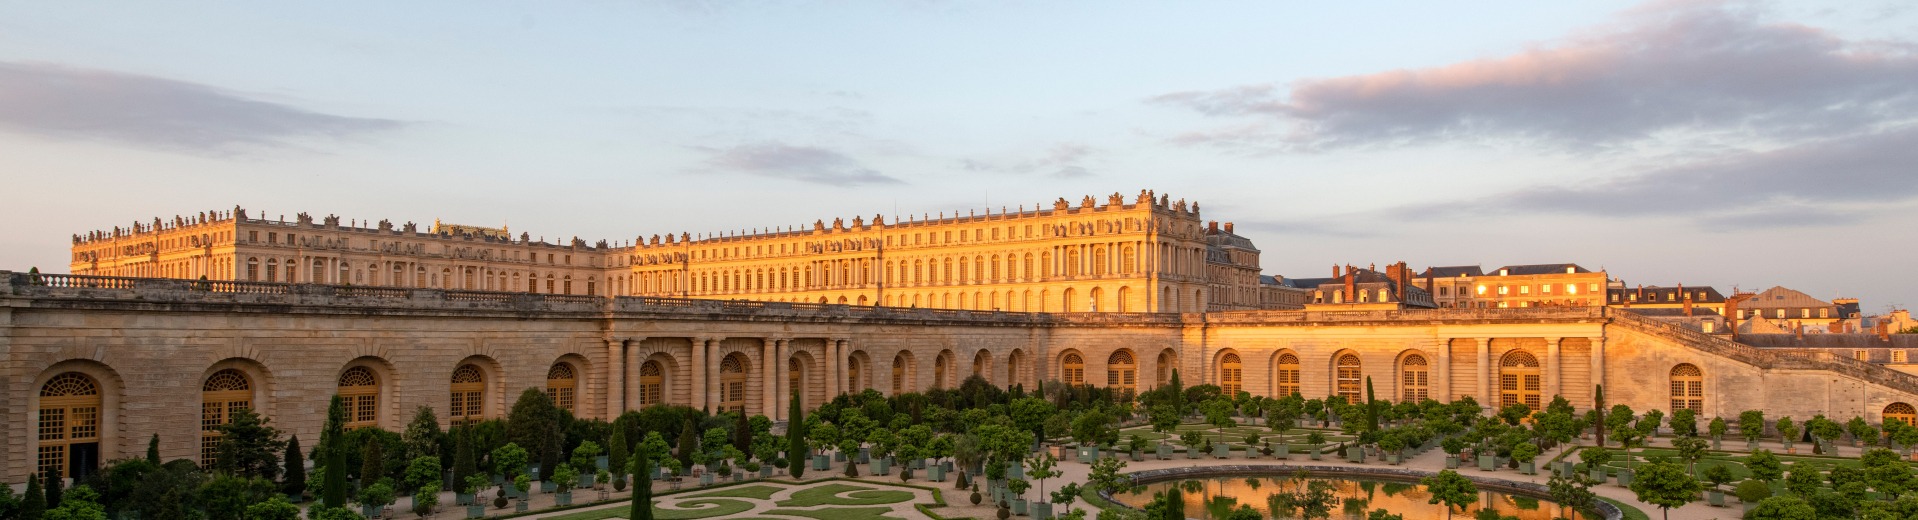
940	368
1072	369
732	383
224	393
1688	388
562	384
69	425
796	376
1901	412
1288	374
652	383
900	372
854	369
360	389
1122	372
468	394
1167	363
1346	378
1414	379
982	365
1231	375
1518	380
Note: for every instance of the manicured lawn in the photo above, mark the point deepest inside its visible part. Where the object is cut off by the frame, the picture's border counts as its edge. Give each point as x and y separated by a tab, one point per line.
1631	513
756	491
859	496
714	507
839	513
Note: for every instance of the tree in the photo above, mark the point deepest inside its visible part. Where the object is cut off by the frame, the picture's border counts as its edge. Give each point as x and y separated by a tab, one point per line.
688	444
796	437
1751	424
275	508
80	504
1450	488
333	442
34	504
538	426
153	449
1371	407
1684	423
248	447
1782	508
742	433
295	464
1764	465
1717	427
1107	474
618	453
1787	430
1803	482
422	436
465	460
1574	493
1691	449
642	506
373	463
1665	485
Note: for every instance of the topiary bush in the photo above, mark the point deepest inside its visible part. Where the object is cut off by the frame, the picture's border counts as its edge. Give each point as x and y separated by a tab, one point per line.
1752	491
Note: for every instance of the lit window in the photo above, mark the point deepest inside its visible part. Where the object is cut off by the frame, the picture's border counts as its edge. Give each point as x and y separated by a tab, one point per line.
1525	289
1897	356
1545	289
1481	289
1571	288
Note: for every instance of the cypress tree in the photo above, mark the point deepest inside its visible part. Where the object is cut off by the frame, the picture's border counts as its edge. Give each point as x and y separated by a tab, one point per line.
742	433
1371	407
333	449
796	438
464	463
153	449
642	508
1598	404
688	442
1175	505
295	483
619	452
1178	393
53	489
372	463
34	504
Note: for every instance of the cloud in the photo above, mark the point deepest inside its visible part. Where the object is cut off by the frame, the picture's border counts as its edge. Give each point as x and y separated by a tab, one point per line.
1666	68
1821	183
801	163
73	103
1062	161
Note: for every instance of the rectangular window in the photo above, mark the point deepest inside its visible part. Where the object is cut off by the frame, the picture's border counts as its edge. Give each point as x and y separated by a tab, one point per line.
1525	289
1897	356
1861	355
1545	289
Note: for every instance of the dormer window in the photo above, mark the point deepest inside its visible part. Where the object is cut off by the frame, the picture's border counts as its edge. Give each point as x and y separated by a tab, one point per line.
1504	272
1571	270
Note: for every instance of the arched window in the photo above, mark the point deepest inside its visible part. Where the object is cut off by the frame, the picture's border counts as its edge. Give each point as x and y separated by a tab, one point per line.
1346	378
1518	380
796	376
732	383
221	395
940	369
69	425
901	373
360	390
1688	388
1072	369
1288	374
468	395
1167	363
1901	412
1231	375
1122	371
1414	379
562	384
855	368
652	383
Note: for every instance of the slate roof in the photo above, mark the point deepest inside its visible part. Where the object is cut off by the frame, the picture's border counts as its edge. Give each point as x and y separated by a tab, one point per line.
1540	269
1454	271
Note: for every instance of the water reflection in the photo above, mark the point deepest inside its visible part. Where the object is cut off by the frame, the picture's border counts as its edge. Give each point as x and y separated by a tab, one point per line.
1312	498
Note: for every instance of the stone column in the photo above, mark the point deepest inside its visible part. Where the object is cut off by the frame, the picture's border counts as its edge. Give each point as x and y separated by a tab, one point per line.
1485	399
1598	360
768	385
696	393
1553	380
615	378
631	373
782	380
831	365
712	372
1443	379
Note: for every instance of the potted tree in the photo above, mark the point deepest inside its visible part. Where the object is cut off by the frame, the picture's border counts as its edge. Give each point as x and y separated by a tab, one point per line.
376	497
940	449
1595	459
1717	429
1392	444
1525	453
884	443
476	484
585	464
1251	445
1193	440
1043	466
821	438
1718	475
1316	440
1452	446
753	466
1787	432
701	459
563	479
1137	445
1017	488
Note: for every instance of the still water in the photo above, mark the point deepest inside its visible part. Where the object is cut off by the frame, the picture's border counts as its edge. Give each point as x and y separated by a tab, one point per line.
1214	498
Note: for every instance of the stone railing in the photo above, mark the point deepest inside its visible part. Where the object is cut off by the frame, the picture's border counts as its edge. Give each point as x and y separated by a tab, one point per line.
1405	315
1693	338
1530	489
1769	358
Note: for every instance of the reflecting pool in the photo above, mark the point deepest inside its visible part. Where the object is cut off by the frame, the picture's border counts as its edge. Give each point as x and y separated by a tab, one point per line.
1333	498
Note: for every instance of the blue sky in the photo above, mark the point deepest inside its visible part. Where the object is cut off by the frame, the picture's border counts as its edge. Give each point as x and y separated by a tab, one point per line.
1721	143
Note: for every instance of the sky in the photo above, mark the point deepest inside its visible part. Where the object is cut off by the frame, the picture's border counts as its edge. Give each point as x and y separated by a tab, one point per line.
1745	144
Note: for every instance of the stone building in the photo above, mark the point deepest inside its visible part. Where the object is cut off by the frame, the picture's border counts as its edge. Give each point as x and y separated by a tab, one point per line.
94	365
1149	254
1514	286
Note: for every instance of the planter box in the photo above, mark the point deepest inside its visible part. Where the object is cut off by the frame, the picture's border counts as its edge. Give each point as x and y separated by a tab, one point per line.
585	482
462	499
1221	451
1528	468
1251	452
1392	458
880	467
546	486
1451	461
1165	451
370	511
475	511
937	473
1138	456
1042	510
706	479
1019	506
839	456
1624	479
1565	469
1191	453
1317	453
603	462
820	463
1715	497
564	498
766	471
1598	474
1487	462
519	506
1016	469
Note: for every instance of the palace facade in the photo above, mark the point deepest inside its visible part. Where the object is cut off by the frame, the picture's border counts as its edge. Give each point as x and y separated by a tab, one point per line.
1149	254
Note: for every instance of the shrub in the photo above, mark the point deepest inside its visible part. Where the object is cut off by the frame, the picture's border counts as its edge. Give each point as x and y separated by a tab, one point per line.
1752	491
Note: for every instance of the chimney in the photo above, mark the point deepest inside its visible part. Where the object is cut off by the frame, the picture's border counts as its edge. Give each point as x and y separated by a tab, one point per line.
1351	284
1212	227
1335	270
1688	299
1228	228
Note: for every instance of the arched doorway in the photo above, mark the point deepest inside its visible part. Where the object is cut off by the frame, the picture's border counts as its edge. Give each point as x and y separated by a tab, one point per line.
1901	412
223	394
1415	379
903	378
1518	380
1168	362
732	383
942	369
982	365
1688	388
562	384
360	390
1288	377
69	426
468	399
1346	378
1072	369
652	383
1122	371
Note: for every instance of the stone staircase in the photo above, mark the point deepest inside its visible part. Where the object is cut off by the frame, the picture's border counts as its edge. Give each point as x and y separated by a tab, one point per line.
1790	359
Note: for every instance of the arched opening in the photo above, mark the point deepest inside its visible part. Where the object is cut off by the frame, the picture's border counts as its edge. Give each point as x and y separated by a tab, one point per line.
1072	369
1688	388
1901	412
562	384
732	383
982	365
1123	303
468	395
1122	371
652	383
69	426
796	378
902	380
1167	363
1346	379
360	390
856	373
223	394
1288	377
1231	375
1015	367
1415	379
942	369
1518	379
